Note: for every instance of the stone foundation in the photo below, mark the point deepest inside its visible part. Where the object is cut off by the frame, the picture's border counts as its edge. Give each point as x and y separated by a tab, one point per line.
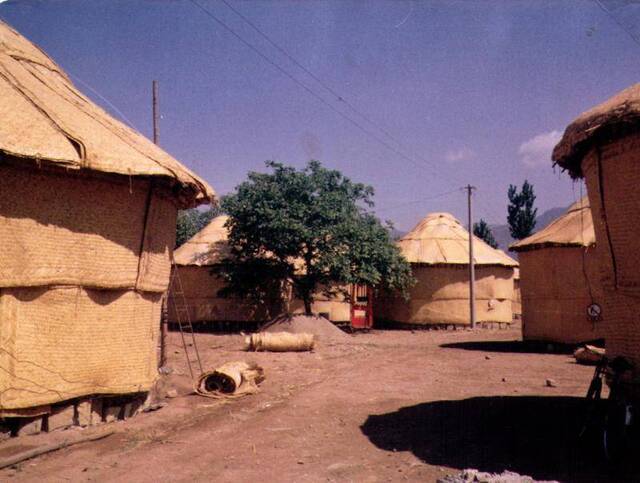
79	412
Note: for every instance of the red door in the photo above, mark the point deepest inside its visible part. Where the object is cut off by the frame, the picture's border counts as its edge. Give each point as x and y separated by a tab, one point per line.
361	307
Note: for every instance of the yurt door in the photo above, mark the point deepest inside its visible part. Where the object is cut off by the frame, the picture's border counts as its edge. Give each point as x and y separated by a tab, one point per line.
361	307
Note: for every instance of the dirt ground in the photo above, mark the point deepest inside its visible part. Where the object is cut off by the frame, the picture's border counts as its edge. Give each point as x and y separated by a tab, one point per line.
382	406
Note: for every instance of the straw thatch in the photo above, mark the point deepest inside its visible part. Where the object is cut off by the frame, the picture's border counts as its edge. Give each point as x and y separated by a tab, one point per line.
45	119
573	228
611	120
85	250
438	249
208	247
440	239
560	279
603	146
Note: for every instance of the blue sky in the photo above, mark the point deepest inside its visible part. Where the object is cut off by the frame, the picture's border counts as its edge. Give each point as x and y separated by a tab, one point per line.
470	92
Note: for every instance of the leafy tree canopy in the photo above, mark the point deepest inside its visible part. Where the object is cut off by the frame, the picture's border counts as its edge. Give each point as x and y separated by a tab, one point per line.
521	213
482	231
191	221
309	228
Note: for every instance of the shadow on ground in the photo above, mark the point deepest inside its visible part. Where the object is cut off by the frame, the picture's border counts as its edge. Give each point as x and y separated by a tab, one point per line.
535	436
512	346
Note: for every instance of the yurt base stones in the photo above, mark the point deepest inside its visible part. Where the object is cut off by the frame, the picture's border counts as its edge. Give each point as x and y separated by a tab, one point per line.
79	413
383	324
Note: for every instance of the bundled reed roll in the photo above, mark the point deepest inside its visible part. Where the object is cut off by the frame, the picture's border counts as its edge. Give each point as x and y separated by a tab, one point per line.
233	379
279	342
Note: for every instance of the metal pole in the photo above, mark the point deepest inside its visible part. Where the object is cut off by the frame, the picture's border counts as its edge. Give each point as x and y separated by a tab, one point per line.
156	113
472	270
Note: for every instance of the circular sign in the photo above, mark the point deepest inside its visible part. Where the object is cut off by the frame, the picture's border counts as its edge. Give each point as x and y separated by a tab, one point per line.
594	312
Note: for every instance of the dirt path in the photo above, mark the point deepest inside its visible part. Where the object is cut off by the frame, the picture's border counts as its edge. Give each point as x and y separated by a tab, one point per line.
384	406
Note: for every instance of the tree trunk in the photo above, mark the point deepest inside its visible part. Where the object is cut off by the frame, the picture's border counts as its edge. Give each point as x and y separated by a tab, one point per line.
307	304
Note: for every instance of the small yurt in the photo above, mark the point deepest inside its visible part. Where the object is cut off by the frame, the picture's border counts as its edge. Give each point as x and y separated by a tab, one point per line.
438	250
196	263
603	146
87	223
560	280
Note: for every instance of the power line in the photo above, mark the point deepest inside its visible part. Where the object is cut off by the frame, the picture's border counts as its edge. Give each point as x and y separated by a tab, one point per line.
314	94
109	103
304	86
389	208
617	22
328	88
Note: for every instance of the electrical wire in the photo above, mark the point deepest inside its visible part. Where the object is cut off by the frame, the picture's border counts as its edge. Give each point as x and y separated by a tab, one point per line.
307	88
328	88
333	92
616	21
389	208
107	101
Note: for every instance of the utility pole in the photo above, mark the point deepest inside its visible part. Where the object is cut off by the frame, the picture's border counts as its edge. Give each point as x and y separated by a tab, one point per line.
472	268
164	317
156	113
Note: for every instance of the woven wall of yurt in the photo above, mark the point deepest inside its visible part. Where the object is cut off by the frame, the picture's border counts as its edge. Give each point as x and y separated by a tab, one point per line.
441	296
335	306
438	250
200	286
603	145
87	224
516	302
560	279
79	268
558	284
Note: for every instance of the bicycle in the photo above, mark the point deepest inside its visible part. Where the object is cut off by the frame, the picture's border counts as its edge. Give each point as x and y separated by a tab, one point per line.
619	427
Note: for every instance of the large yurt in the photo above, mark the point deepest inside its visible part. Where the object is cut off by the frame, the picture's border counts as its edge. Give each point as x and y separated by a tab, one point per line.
438	250
87	224
560	279
603	146
196	262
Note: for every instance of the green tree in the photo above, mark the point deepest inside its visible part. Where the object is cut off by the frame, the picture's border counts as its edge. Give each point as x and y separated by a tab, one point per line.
482	231
191	221
521	213
307	229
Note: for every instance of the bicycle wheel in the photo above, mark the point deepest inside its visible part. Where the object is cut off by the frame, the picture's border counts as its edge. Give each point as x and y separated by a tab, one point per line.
617	429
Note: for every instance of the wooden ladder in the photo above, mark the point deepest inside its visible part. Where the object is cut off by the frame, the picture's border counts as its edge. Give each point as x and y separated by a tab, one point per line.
177	299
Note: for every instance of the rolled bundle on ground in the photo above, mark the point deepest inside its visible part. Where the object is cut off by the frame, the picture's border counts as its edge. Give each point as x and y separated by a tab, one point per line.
232	379
279	342
589	355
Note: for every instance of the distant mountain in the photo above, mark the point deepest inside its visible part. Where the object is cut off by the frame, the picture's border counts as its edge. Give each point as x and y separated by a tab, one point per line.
503	237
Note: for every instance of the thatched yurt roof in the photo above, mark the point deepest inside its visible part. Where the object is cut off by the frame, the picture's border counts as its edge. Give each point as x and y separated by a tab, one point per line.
440	239
46	119
606	122
573	228
207	247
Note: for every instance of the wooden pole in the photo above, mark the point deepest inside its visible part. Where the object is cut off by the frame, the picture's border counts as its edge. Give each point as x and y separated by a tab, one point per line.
156	113
164	317
472	269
